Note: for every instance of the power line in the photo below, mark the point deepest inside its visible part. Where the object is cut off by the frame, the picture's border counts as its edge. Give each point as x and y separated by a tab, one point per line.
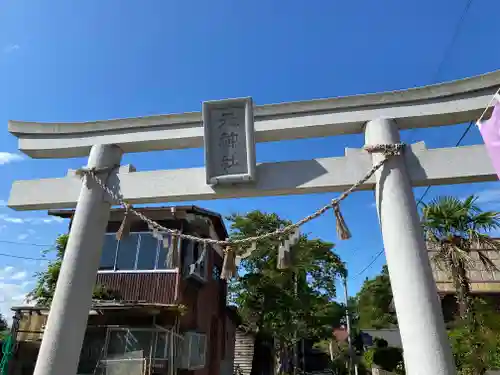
456	145
24	243
418	202
453	40
438	73
436	76
370	264
21	257
450	46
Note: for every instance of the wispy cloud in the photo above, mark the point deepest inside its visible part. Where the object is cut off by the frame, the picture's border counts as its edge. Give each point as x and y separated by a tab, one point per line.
489	199
11	48
9	157
21	275
12	220
23	236
30	220
14	286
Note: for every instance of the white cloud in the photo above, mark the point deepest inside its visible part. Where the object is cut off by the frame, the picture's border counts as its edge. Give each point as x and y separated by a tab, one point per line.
13	294
3	203
21	275
14	287
28	233
12	220
30	220
53	219
8	157
11	48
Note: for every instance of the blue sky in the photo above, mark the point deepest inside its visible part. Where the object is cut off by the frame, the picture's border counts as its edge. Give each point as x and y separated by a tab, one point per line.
88	60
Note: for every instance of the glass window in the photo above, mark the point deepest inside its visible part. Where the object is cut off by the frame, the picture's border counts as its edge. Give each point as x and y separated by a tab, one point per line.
193	255
92	350
127	252
108	252
162	348
196	346
148	249
203	256
162	257
216	273
137	251
187	255
129	344
162	254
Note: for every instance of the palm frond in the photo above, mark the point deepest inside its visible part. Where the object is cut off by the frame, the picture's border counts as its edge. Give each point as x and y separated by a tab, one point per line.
486	261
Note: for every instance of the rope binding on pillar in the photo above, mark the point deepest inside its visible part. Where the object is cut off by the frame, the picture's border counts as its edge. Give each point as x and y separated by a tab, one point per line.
287	236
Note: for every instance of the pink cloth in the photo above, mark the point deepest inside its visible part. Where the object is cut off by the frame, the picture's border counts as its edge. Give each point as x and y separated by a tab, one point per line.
490	131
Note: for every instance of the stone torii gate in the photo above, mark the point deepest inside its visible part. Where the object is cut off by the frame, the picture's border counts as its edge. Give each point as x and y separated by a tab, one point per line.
380	116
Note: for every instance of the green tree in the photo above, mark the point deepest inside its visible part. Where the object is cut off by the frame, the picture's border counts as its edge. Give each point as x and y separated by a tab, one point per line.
476	351
3	323
286	304
4	327
455	227
45	286
373	303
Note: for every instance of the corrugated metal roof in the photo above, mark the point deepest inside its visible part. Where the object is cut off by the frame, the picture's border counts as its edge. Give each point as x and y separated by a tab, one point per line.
243	352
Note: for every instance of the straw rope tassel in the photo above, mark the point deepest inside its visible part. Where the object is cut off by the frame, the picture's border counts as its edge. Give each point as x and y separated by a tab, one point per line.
229	264
124	229
170	245
284	256
343	232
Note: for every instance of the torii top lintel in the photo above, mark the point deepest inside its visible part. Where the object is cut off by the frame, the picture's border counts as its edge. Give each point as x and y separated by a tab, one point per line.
435	105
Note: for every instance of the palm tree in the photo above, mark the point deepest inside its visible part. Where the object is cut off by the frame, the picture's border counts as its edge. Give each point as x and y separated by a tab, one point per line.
455	228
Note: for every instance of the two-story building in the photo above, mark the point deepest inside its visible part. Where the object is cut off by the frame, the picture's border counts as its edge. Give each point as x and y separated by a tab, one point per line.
170	313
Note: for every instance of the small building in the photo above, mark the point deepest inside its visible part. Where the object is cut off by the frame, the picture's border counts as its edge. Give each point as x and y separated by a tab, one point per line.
484	282
170	313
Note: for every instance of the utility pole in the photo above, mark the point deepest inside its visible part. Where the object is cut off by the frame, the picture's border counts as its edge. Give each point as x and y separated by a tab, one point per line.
295	345
348	326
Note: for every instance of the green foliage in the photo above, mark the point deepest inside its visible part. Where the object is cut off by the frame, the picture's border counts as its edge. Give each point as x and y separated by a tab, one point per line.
368	357
373	303
455	227
43	292
282	303
388	358
3	324
385	357
476	348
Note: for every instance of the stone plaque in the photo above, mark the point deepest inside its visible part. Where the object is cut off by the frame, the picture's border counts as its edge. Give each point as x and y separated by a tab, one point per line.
229	141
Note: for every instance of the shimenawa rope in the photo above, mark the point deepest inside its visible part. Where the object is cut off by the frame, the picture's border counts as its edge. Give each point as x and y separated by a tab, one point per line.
389	150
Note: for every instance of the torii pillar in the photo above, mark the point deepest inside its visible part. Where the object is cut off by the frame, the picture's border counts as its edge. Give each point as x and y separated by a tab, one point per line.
425	342
63	337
